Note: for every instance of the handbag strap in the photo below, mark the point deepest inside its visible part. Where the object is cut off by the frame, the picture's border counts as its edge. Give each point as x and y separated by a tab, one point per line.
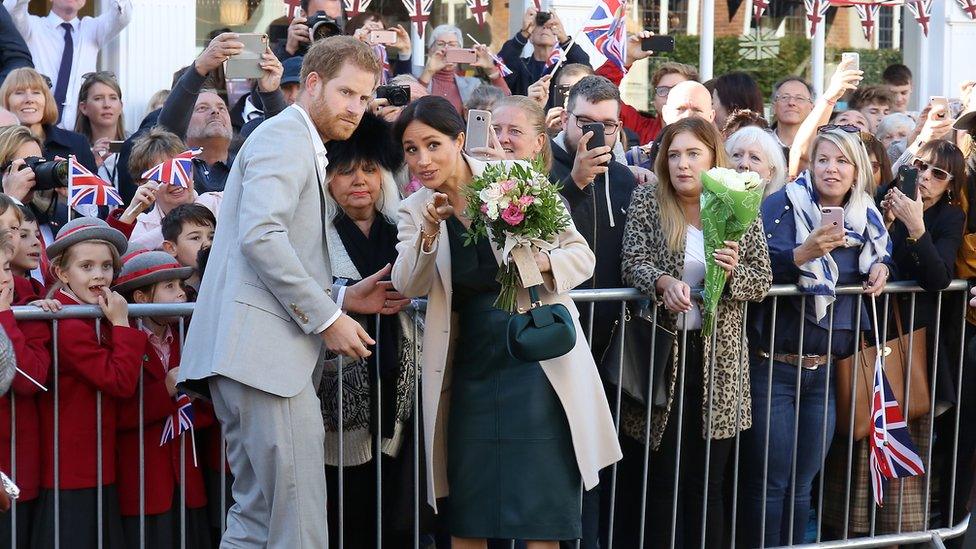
534	296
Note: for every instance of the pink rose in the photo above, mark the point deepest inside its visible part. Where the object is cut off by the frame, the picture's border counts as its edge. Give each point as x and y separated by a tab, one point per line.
508	185
526	201
513	214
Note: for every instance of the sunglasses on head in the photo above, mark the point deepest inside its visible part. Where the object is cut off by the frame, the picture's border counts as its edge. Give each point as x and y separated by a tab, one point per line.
937	173
106	74
849	128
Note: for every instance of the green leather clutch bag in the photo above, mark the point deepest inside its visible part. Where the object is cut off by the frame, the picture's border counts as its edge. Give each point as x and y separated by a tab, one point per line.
541	333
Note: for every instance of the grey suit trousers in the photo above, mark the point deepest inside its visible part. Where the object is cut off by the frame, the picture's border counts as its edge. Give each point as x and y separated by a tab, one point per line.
276	450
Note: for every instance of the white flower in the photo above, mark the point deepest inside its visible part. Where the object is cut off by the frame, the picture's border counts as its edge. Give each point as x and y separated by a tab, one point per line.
736	181
492	211
491	193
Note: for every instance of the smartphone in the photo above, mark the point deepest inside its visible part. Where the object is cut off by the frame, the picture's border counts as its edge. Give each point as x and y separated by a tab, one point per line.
398	96
831	217
940	100
247	64
855	59
908	181
598	139
115	146
658	43
476	134
382	37
560	95
460	55
542	17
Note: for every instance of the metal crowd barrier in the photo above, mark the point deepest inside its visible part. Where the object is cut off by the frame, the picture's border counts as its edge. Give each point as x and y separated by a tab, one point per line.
933	534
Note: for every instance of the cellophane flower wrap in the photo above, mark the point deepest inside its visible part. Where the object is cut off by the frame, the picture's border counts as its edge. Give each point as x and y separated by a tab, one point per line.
514	204
729	204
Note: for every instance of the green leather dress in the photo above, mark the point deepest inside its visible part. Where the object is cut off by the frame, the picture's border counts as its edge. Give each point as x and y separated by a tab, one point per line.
511	467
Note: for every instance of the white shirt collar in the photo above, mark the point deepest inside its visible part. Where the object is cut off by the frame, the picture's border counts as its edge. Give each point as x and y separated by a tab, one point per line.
55	21
321	160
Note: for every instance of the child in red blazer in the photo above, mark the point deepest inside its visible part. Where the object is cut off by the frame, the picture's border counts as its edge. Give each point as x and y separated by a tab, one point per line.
19	406
171	463
97	364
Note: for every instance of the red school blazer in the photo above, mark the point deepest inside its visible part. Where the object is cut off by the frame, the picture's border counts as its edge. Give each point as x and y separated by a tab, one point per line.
162	463
87	365
31	341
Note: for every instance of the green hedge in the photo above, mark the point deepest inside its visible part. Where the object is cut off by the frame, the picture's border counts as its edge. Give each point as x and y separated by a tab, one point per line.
793	59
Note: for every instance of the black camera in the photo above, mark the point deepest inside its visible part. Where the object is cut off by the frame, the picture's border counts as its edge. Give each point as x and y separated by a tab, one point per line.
322	26
542	17
398	96
48	174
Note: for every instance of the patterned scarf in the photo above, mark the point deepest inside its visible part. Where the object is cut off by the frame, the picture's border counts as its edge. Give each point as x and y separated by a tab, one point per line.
864	228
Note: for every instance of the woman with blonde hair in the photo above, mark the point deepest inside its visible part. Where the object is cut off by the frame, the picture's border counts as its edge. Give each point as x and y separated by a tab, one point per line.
664	256
519	124
27	94
793	404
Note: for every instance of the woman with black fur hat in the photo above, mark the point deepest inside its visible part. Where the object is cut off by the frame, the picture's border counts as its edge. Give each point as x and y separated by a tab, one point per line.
361	206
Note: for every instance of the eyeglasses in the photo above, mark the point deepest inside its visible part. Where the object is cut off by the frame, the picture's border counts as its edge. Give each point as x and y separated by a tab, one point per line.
937	173
785	98
107	74
609	128
662	91
442	44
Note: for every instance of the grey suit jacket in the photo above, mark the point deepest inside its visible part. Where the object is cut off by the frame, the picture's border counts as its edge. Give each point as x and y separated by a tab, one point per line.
268	281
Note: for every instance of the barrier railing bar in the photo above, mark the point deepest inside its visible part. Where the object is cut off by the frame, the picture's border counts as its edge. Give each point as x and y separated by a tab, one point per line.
99	503
378	450
955	434
796	425
850	426
647	432
769	412
142	450
622	326
57	434
738	419
708	431
826	409
889	540
933	384
680	389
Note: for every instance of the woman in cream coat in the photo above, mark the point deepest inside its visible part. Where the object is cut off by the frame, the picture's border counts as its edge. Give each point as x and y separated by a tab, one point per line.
521	436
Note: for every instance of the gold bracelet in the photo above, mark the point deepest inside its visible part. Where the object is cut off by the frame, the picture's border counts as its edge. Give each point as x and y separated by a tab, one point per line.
426	240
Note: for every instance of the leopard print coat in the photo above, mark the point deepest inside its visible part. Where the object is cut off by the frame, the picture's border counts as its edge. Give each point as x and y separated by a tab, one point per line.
645	259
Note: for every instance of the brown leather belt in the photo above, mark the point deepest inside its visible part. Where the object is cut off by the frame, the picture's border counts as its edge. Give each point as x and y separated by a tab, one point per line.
807	362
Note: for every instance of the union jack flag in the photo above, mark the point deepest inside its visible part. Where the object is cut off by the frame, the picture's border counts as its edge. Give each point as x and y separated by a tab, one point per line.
355	7
502	67
554	57
380	51
968	7
893	454
607	30
868	14
922	11
816	12
419	12
758	9
179	421
85	187
478	9
175	171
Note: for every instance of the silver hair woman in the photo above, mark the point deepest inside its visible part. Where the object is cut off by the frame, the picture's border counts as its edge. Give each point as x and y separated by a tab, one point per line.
754	149
442	76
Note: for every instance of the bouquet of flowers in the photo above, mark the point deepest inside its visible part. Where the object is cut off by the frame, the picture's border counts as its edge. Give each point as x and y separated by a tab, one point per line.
515	205
729	204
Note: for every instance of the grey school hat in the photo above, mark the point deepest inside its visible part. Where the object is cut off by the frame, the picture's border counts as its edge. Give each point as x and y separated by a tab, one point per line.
86	228
143	268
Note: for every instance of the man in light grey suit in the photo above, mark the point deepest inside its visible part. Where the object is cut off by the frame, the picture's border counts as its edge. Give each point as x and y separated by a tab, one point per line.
267	305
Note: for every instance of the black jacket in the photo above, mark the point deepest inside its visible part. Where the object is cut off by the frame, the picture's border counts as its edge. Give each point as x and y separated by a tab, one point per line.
604	240
526	70
13	50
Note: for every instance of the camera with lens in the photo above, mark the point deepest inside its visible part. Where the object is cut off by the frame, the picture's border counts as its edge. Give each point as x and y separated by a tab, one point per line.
542	17
48	174
320	26
398	96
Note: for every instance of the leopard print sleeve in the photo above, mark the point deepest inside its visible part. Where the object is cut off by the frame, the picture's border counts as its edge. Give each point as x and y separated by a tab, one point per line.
753	276
640	264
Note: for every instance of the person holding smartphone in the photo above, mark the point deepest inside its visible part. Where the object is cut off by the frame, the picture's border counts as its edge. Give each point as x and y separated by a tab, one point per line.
100	120
442	76
926	226
823	231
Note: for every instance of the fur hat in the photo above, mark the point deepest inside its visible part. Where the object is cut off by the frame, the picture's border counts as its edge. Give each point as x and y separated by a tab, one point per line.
86	228
372	141
143	268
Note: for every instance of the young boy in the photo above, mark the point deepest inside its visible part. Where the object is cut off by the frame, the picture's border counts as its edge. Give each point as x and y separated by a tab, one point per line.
874	102
898	78
186	229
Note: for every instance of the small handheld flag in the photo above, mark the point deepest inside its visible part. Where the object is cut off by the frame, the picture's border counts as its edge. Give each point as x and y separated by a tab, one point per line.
180	422
554	57
176	171
86	188
607	30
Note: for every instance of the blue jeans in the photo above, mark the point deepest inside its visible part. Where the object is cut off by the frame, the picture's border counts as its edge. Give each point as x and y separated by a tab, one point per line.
778	409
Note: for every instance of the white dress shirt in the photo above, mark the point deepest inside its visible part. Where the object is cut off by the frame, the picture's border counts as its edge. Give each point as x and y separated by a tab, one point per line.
45	38
321	162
